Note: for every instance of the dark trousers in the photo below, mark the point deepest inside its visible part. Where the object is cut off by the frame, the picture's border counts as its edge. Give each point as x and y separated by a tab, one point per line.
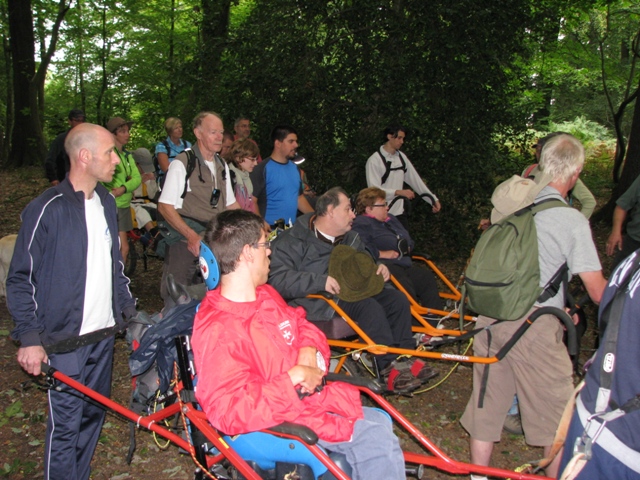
74	424
386	318
420	283
179	261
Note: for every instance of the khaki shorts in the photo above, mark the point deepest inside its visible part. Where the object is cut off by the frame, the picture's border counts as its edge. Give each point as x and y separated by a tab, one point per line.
125	222
538	369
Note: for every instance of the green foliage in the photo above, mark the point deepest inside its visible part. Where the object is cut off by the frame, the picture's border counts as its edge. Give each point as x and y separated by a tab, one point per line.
13	410
472	82
592	47
143	84
17	466
587	131
341	73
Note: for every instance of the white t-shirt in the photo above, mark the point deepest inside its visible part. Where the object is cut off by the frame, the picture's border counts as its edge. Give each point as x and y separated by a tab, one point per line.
98	296
174	184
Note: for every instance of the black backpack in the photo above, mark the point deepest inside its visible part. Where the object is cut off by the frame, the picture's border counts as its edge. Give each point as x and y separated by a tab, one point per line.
160	175
387	166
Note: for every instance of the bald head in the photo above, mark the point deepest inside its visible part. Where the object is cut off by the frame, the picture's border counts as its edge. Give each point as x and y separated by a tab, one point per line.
85	136
91	151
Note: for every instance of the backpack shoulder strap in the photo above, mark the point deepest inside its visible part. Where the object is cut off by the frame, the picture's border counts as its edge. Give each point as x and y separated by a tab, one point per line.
387	165
191	166
528	170
387	168
403	161
166	145
218	159
540	206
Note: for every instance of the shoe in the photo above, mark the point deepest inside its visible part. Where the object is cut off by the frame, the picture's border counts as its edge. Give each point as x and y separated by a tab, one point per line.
513	425
146	239
156	239
421	370
402	382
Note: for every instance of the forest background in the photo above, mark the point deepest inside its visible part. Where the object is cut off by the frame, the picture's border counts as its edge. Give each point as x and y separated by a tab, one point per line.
474	83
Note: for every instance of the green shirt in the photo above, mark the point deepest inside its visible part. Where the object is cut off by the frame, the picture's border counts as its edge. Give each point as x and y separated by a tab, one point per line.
126	174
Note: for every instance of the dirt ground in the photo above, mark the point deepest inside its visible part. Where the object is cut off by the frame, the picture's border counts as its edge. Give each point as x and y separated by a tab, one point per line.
23	407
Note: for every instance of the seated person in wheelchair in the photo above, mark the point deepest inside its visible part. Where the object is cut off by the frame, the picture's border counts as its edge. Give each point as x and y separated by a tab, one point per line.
261	363
390	243
300	265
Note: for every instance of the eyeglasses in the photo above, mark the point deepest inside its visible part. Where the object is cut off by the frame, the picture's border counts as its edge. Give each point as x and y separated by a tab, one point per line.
250	159
379	204
261	244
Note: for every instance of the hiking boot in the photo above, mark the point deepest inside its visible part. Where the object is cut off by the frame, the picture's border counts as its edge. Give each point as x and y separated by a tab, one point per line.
401	382
513	425
421	370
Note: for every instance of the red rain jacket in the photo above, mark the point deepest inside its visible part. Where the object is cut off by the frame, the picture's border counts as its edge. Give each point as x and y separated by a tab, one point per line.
242	353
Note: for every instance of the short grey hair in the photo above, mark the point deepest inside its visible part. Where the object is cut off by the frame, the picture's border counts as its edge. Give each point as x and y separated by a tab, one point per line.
561	157
197	121
329	198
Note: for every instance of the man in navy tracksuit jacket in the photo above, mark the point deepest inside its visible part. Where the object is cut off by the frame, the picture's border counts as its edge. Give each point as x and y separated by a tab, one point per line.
66	280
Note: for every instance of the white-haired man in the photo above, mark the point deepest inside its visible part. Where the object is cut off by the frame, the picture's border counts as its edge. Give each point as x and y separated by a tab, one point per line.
538	368
187	204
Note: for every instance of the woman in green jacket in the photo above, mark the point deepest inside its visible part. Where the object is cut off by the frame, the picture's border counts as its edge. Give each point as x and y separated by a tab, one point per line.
125	180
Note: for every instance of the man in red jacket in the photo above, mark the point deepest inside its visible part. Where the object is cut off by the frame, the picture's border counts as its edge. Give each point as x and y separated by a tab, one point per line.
260	362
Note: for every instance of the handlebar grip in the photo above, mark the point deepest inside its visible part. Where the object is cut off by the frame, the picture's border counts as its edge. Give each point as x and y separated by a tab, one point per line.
431	198
46	369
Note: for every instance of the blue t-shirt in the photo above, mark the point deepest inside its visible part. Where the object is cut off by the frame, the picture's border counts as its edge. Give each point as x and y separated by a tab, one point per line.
173	148
277	187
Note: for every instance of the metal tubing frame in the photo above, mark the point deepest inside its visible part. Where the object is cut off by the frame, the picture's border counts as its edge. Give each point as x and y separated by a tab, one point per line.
437	458
376	349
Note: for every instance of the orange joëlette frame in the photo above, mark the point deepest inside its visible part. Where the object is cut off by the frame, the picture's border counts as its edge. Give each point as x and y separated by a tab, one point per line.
435	458
364	342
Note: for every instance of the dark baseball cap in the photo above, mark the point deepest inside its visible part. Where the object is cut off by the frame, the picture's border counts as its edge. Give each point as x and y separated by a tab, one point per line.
77	114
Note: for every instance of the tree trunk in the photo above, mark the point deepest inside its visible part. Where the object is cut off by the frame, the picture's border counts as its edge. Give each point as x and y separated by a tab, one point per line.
549	42
630	170
81	69
103	60
172	67
27	141
5	135
215	27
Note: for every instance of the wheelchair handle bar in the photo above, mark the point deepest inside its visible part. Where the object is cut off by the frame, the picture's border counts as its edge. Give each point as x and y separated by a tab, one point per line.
411	203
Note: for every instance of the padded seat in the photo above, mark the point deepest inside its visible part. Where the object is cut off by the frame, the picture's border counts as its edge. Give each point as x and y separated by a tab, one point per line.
335	329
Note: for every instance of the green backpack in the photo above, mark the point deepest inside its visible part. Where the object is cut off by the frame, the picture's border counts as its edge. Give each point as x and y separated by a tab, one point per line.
502	280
